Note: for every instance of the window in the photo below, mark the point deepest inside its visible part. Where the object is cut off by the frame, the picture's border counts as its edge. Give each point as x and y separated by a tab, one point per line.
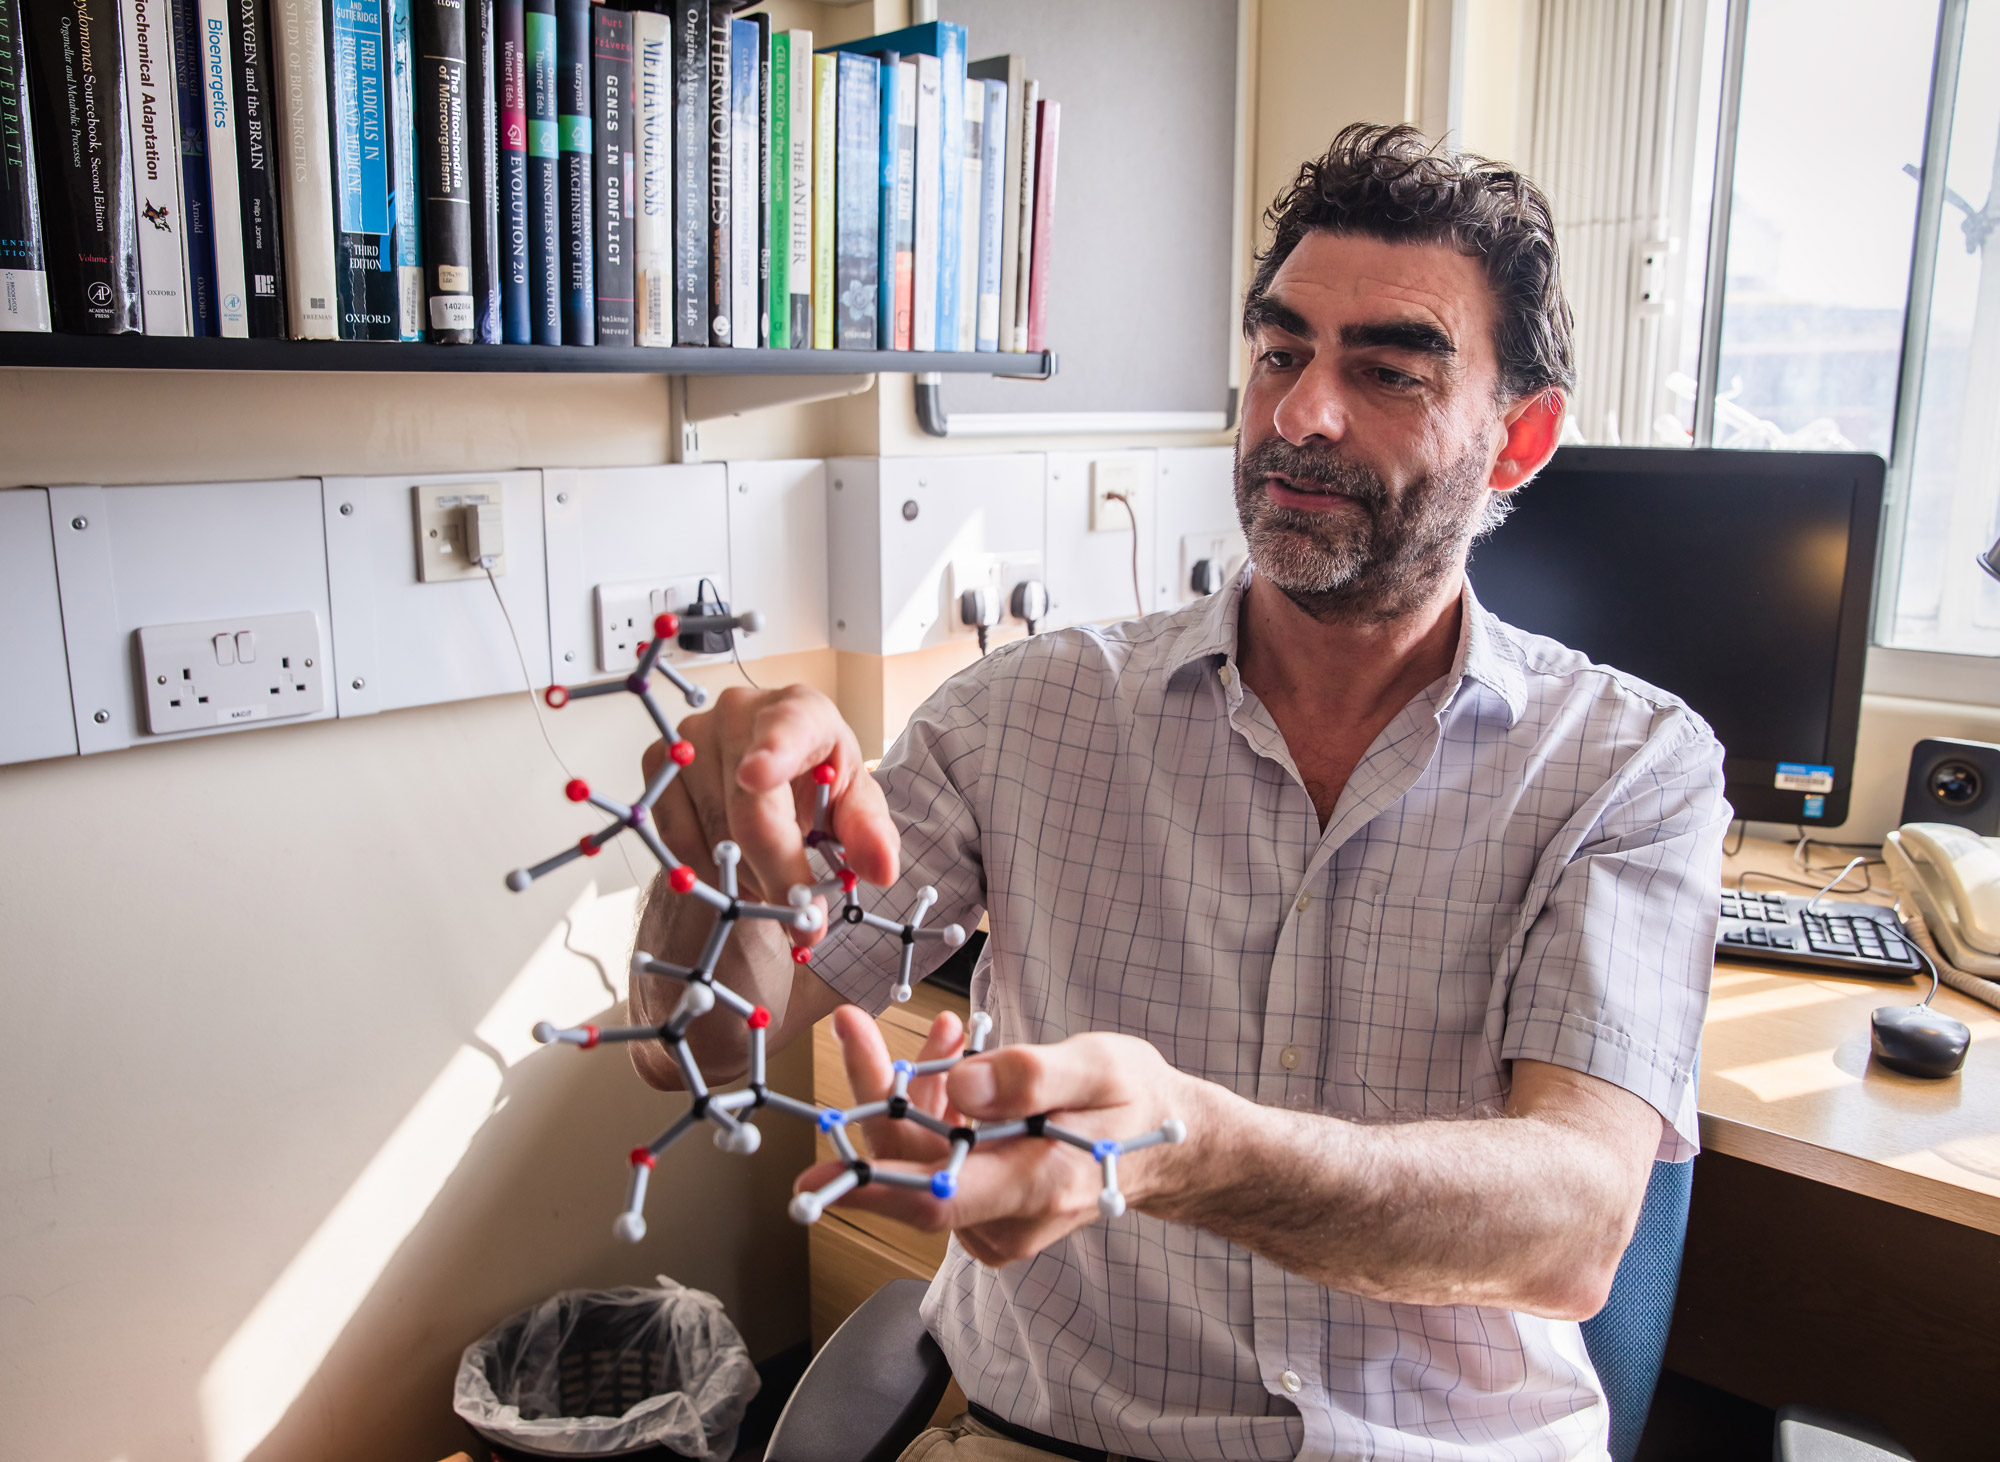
1937	598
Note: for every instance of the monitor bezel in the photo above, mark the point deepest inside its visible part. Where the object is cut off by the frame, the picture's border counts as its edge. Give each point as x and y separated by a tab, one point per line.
1750	785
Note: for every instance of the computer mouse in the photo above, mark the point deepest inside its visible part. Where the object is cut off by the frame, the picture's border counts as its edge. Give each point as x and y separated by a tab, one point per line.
1918	1040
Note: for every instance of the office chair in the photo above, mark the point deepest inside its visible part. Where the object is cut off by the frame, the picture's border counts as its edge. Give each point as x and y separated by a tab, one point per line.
874	1386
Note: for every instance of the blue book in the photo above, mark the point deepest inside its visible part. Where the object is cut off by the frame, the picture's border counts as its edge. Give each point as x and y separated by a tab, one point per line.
746	198
510	48
364	223
857	191
945	41
544	191
885	219
992	187
195	226
408	194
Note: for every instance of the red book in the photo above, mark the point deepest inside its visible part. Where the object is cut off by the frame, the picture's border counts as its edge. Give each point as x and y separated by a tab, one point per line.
1050	115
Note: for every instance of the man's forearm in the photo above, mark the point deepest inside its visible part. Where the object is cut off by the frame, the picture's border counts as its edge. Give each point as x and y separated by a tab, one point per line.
1525	1212
755	962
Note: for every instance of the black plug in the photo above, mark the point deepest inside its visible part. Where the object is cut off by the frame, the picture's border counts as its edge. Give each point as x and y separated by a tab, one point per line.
1030	602
708	604
977	608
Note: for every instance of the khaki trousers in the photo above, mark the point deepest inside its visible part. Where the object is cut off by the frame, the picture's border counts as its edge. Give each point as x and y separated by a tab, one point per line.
966	1440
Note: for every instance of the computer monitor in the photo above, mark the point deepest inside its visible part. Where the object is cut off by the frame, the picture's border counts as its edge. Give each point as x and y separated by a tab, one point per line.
1740	581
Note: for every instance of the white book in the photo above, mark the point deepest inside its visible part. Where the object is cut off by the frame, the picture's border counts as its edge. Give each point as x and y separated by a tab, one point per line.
225	211
969	195
799	254
653	164
1014	333
152	133
298	38
924	251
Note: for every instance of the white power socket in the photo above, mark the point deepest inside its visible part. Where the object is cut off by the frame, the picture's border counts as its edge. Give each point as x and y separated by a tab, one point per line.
219	672
1226	549
1109	475
625	614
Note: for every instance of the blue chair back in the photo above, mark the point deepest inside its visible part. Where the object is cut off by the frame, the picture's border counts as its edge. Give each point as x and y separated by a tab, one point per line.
1627	1338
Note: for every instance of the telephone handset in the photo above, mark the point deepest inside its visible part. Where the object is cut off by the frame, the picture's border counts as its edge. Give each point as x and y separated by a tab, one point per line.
1953	876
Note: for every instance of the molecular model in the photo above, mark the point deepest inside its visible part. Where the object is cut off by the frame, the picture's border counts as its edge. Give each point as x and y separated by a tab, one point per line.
733	1113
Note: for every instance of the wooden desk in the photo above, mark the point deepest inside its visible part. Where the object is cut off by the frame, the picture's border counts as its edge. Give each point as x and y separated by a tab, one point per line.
1844	1241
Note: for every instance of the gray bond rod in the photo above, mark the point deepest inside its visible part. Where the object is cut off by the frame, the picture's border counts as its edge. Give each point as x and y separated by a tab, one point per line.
792	1105
673	1134
807	1207
756	1057
645	964
631	1224
595	688
690	1073
727	855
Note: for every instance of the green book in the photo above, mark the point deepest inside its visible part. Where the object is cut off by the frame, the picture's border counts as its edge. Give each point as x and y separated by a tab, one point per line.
826	75
778	305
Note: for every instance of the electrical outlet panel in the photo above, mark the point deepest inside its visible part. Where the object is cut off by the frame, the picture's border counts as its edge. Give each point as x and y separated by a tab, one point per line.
226	672
625	615
457	524
1110	475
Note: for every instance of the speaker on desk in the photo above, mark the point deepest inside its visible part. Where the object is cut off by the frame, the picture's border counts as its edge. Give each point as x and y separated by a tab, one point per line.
1956	782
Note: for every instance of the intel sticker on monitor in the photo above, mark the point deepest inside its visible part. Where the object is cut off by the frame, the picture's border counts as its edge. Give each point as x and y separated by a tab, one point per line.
1815	806
1797	776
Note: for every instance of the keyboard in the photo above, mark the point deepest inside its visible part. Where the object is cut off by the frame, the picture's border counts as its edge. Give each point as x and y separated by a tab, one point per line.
1852	939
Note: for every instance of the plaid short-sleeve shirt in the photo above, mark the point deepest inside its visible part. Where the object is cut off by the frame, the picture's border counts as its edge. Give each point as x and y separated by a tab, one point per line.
1523	865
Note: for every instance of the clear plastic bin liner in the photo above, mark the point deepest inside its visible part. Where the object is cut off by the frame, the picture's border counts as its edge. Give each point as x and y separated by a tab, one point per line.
605	1373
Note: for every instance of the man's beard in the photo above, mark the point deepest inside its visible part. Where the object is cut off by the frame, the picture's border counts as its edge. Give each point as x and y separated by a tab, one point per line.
1339	570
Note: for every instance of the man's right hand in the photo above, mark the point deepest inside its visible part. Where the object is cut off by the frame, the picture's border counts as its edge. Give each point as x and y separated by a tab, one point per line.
751	782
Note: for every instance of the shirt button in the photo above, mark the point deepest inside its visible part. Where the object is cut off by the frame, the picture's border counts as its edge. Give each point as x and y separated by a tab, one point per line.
1304	903
1291	1382
1289	1057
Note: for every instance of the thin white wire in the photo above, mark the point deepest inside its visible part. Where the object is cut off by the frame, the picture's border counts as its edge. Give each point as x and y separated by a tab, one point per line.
1138	595
535	705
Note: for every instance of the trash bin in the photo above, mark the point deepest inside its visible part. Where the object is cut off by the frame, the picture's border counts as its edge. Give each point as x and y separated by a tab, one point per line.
628	1372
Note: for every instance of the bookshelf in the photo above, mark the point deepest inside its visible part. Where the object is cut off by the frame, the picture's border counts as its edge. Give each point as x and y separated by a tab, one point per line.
207	353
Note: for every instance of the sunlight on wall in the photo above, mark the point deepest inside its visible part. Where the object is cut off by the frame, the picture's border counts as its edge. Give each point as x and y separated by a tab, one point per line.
577	971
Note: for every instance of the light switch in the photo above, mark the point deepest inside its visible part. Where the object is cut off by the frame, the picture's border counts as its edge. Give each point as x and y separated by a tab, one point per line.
246	648
225	650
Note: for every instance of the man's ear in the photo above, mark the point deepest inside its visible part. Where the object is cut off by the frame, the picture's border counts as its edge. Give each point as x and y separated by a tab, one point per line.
1534	427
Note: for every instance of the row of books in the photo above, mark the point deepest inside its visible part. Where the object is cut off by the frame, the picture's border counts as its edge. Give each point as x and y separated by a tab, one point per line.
517	171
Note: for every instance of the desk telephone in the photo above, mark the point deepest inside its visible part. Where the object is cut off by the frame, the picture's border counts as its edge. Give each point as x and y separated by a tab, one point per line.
1953	877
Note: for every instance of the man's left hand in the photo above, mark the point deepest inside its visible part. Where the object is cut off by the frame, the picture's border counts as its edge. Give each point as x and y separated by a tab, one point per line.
1017	1196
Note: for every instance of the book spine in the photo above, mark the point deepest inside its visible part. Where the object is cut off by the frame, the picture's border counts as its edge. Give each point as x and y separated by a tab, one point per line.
799	236
24	280
409	235
305	157
721	291
857	200
232	285
653	225
1047	128
993	187
951	177
929	179
691	45
970	195
90	253
544	186
1017	332
365	291
257	167
439	78
885	200
150	132
1007	69
197	211
906	199
574	159
745	198
778	292
762	22
825	91
482	154
611	135
517	320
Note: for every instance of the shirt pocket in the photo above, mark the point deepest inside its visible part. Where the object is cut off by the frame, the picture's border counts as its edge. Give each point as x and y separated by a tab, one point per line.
1422	1012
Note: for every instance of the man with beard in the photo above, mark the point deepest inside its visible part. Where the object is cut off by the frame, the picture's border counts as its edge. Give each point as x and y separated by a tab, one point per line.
1406	914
